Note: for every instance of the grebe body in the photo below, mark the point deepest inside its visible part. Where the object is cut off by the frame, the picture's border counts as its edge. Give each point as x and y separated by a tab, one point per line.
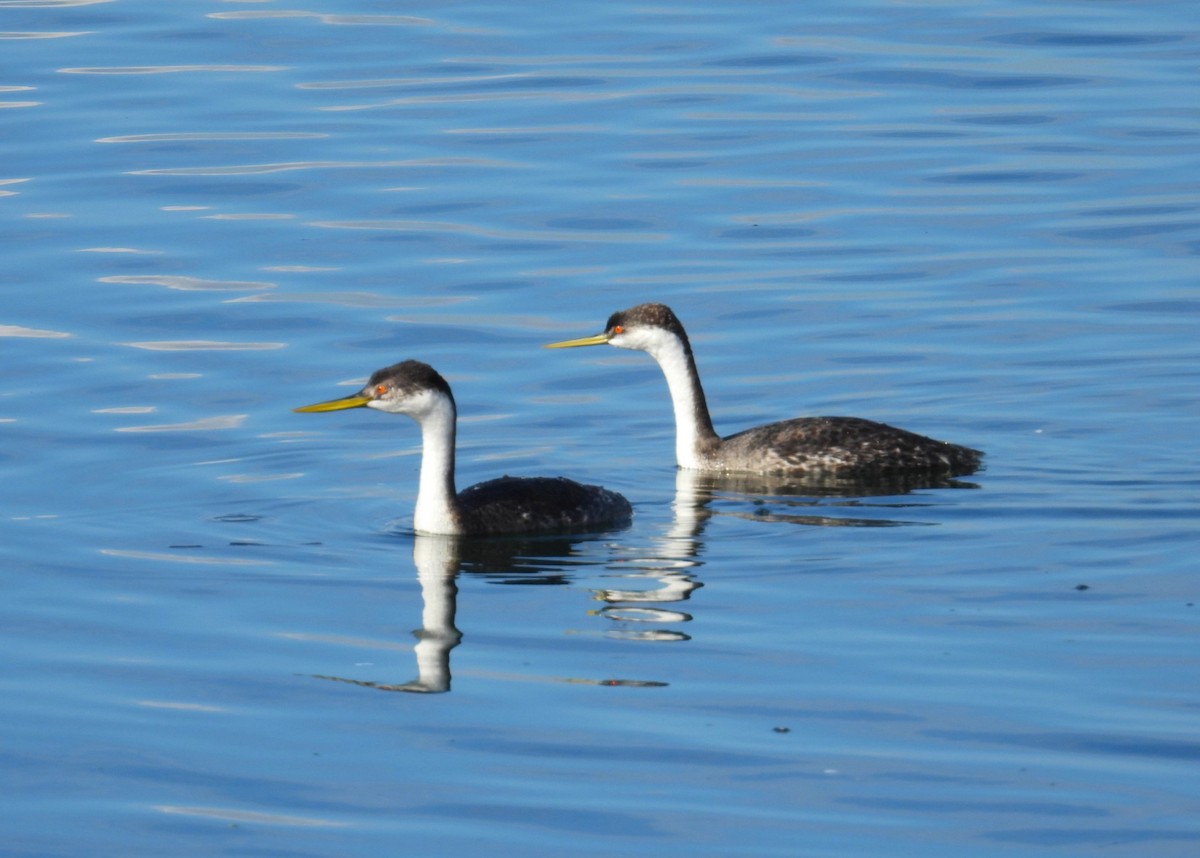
848	446
506	505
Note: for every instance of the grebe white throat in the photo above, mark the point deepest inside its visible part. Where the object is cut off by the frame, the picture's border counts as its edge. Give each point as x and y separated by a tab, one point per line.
437	505
687	397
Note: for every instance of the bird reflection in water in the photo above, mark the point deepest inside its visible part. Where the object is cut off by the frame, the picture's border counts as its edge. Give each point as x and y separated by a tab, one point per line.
667	574
789	499
663	576
439	560
647	603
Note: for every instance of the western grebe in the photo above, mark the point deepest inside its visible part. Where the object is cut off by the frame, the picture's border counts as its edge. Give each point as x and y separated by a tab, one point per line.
815	445
501	506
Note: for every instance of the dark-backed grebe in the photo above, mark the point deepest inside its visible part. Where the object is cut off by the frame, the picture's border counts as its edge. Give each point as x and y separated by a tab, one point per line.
502	506
817	445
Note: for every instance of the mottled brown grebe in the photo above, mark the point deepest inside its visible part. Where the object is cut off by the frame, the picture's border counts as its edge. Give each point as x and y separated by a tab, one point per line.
849	446
502	506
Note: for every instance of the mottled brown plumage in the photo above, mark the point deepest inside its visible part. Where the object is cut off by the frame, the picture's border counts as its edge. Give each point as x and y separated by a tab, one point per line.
848	446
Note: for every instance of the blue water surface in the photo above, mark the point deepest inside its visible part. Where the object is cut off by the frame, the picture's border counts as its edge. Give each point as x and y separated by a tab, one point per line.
979	221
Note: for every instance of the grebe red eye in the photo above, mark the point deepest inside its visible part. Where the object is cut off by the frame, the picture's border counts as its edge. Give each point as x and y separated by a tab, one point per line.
618	329
380	389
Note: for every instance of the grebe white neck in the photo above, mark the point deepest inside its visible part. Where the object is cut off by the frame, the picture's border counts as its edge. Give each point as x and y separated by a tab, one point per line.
694	433
437	504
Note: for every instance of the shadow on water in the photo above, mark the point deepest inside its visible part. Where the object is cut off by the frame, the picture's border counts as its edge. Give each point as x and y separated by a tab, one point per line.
646	605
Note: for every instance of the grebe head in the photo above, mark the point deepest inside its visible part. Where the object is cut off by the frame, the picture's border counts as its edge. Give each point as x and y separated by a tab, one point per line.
409	387
646	327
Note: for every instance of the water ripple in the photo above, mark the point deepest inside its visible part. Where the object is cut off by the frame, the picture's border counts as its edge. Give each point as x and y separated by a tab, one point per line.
371	20
202	346
204	424
489	232
1084	40
287	166
9	105
32	333
140	70
181	558
958	80
49	34
348	299
48	4
214	136
184	283
249	816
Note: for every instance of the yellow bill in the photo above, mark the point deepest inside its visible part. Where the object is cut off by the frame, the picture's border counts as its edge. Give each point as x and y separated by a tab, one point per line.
355	401
597	340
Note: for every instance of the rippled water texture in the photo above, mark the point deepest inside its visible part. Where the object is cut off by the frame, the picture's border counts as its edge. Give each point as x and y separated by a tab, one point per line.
978	221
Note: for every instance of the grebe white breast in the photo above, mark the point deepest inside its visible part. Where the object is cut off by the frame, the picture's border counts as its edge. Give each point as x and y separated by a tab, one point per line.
506	505
816	445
